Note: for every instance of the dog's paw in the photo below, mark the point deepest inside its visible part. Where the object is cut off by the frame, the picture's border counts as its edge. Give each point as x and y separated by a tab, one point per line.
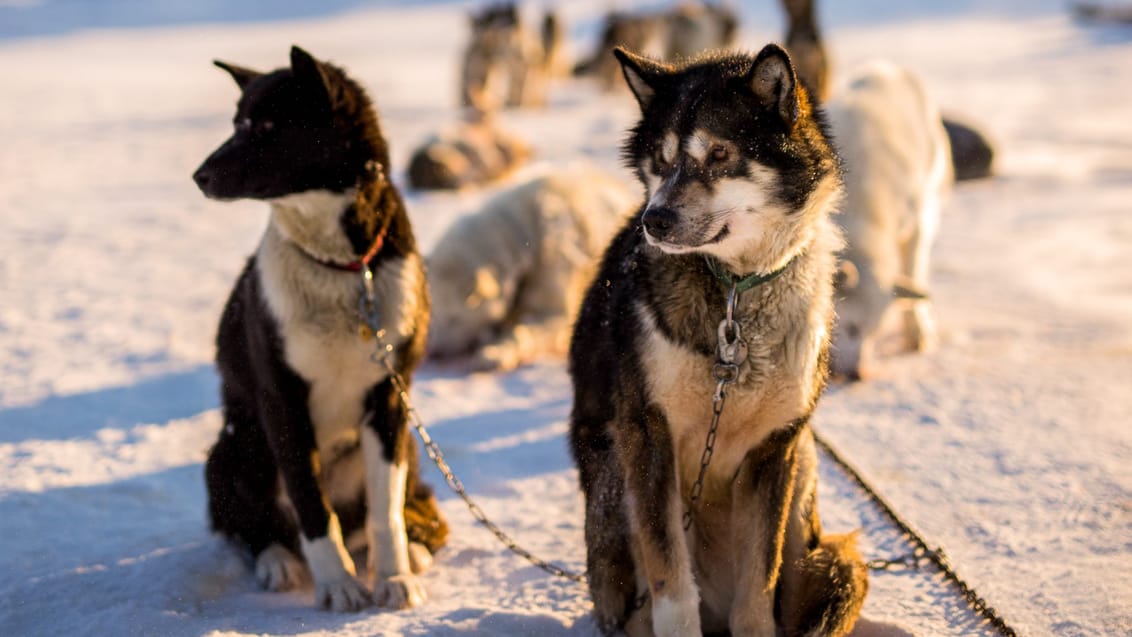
420	558
498	357
676	616
399	591
277	569
920	334
342	595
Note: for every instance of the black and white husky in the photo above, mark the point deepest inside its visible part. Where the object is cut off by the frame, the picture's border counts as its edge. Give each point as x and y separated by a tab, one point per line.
315	444
740	182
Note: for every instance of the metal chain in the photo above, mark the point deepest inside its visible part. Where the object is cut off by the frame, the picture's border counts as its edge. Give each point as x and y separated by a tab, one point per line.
709	450
732	353
381	355
921	550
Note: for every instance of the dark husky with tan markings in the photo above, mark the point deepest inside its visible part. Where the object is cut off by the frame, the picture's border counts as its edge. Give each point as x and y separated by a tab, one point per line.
315	445
740	178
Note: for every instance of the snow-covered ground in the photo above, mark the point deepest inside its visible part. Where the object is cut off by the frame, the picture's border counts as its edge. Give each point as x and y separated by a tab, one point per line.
1010	446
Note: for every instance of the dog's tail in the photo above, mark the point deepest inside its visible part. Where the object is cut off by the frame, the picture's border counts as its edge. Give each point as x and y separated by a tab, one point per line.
972	154
424	524
834	584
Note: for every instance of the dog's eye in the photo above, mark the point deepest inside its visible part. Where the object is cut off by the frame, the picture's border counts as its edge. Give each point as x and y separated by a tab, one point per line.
244	124
719	154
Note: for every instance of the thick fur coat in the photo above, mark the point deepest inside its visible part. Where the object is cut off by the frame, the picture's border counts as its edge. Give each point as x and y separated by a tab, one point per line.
315	447
472	154
507	280
898	171
738	171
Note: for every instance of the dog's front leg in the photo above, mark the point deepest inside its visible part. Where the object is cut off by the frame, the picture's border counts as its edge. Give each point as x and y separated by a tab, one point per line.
655	515
385	445
763	494
296	455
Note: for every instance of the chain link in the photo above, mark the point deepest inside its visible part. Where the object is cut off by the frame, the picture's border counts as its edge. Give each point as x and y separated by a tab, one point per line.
709	451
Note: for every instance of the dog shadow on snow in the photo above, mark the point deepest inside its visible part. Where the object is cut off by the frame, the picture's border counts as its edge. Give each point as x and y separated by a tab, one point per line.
82	416
488	449
135	555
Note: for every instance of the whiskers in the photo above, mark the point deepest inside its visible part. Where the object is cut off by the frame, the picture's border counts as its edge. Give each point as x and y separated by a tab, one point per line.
712	222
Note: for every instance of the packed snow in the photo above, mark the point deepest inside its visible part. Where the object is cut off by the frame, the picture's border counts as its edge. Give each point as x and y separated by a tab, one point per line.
1009	446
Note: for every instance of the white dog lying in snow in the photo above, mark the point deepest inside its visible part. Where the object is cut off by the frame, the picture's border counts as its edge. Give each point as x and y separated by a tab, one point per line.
897	171
507	280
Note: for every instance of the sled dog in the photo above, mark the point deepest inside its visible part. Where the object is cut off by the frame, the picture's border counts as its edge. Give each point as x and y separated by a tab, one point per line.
315	447
505	64
740	181
889	133
684	31
473	153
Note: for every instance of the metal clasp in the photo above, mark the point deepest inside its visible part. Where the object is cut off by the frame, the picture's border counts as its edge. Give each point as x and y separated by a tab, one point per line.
368	311
731	349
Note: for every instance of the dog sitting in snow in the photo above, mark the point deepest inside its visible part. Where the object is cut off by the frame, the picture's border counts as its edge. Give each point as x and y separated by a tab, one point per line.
722	280
315	446
508	280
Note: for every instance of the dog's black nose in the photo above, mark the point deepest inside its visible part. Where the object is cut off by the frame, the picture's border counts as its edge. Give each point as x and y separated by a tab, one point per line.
202	177
659	222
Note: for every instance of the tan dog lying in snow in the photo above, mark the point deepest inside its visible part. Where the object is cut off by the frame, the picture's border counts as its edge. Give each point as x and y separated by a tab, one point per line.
507	281
472	154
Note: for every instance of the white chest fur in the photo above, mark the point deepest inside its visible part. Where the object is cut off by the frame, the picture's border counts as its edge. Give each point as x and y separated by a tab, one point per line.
315	308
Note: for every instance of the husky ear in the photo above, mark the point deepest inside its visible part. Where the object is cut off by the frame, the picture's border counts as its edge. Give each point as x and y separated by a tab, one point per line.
774	82
308	70
906	289
641	74
242	75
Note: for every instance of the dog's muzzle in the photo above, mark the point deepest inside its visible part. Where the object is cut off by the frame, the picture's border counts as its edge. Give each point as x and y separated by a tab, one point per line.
659	222
202	177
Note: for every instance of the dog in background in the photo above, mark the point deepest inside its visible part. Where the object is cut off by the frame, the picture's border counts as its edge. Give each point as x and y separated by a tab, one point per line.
315	446
507	65
507	280
682	32
473	153
889	133
972	153
804	42
740	181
